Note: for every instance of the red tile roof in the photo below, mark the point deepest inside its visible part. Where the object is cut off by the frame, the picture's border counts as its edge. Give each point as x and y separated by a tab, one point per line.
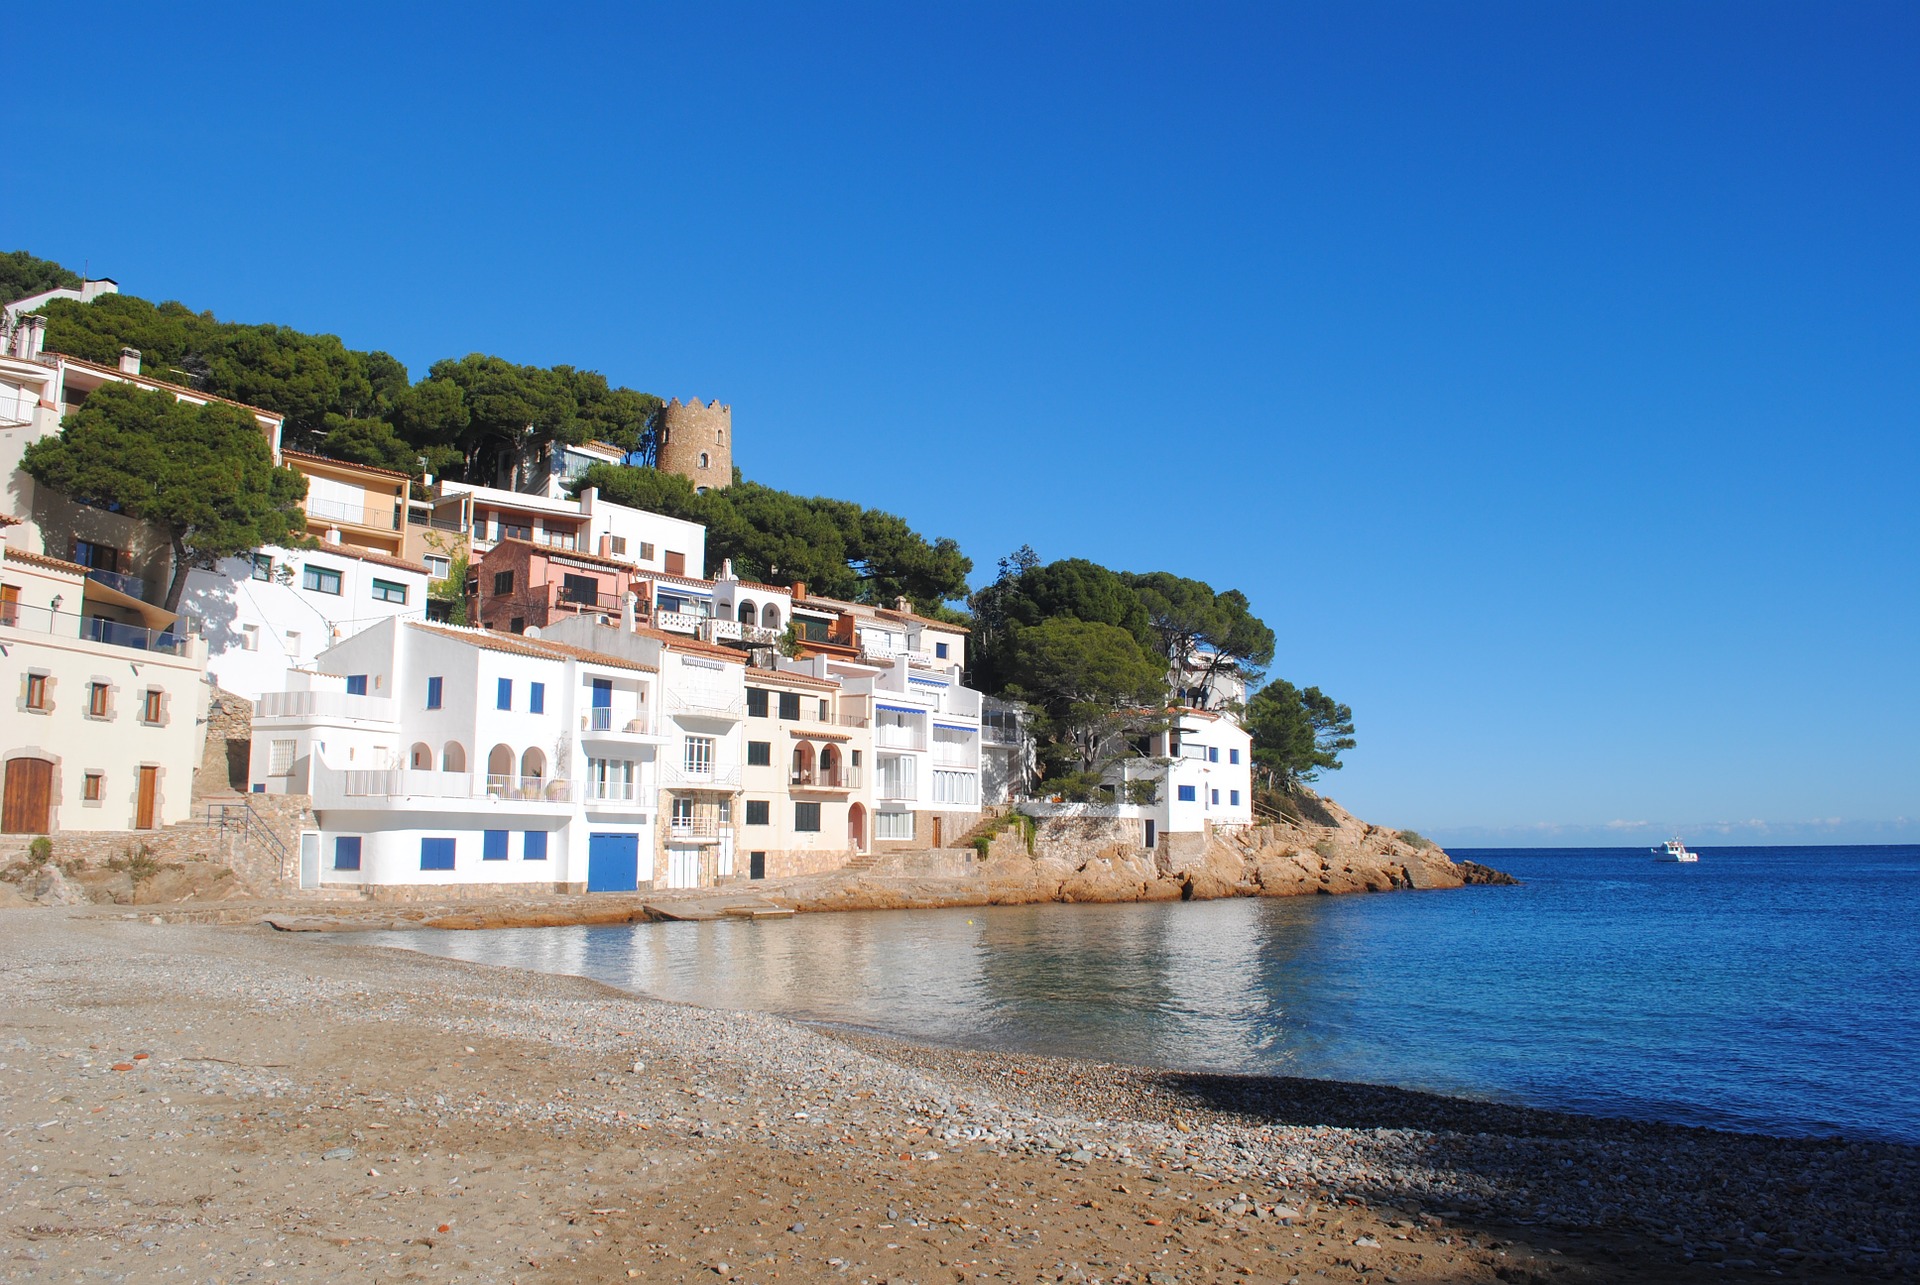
151	382
288	452
33	559
522	645
548	550
368	555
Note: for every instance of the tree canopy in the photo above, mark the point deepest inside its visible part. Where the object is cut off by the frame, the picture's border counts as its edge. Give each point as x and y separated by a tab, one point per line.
1091	685
203	473
1200	632
1296	734
838	548
21	274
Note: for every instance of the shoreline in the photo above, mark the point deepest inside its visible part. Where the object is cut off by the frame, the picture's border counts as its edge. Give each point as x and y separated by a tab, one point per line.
524	1126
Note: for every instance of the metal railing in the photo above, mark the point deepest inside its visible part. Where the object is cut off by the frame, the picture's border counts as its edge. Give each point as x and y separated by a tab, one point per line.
612	791
579	601
607	720
1001	735
127	584
65	624
844	779
695	827
409	782
705	704
679	776
379	519
324	705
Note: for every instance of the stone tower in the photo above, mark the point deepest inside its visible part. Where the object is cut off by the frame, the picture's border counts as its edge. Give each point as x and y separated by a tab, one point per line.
696	441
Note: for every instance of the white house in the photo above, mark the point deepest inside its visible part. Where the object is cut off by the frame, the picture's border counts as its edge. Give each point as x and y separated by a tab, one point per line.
461	759
102	727
276	609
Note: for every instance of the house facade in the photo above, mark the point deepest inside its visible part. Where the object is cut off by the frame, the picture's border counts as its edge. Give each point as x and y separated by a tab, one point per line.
103	727
806	800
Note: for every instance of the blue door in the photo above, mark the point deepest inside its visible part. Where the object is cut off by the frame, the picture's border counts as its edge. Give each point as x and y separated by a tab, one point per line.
613	862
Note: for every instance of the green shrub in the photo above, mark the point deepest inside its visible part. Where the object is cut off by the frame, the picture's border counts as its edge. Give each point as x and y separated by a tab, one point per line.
1012	820
1325	848
1414	839
40	851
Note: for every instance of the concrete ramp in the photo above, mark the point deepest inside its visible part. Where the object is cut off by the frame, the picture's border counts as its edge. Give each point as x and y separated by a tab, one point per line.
701	907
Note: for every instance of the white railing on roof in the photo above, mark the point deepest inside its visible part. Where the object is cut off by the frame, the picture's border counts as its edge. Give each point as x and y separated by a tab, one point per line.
719	629
622	721
678	622
704	704
680	777
342	705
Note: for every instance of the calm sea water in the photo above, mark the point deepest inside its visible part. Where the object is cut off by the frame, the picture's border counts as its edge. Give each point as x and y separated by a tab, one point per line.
1770	989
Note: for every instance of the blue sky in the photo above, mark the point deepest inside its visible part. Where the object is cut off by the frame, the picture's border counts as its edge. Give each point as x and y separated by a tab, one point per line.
1545	374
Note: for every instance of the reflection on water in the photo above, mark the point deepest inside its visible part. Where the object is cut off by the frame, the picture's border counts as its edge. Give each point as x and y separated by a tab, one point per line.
1608	984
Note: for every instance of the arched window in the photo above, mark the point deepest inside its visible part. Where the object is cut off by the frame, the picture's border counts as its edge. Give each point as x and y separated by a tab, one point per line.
830	766
803	764
421	757
499	770
770	616
533	767
454	757
748	613
703	459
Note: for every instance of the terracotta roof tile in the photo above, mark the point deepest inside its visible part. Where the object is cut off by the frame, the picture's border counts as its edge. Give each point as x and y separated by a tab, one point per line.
33	559
288	452
368	555
522	645
783	676
150	381
551	552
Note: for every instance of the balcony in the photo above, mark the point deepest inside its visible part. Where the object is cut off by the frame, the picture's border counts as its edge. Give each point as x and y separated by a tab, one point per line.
387	517
615	794
611	724
996	735
406	787
680	622
844	779
96	629
335	706
724	706
678	776
697	829
569	540
132	586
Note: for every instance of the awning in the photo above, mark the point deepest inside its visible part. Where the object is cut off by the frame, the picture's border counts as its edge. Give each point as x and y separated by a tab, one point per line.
898	709
957	727
153	617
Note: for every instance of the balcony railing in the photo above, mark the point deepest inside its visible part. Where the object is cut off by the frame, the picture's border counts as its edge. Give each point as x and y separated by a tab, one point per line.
341	705
387	518
616	721
558	539
893	791
98	629
844	779
694	827
120	580
530	788
1001	735
579	600
407	782
679	776
612	791
699	704
679	622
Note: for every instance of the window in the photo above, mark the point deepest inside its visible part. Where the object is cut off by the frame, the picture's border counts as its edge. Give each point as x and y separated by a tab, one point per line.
580	589
434	686
503	582
683	814
320	580
893	825
388	591
806	817
537	701
1214	797
703	459
617	545
676	563
97	700
263	566
493	845
293	642
790	705
896	777
826	711
356	684
1233	798
96	557
646	550
280	758
759	753
503	694
1213	754
1233	756
757	812
956	787
756	702
249	637
1186	794
152	705
436	854
346	852
510	530
697	755
36	691
533	846
610	780
940	651
439	567
90	787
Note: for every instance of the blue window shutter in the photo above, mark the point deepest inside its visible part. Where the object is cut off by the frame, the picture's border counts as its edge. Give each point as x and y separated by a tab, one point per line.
1186	794
346	852
535	848
1214	797
436	854
495	846
603	693
1233	797
356	684
433	693
940	651
504	699
537	701
1233	756
1213	754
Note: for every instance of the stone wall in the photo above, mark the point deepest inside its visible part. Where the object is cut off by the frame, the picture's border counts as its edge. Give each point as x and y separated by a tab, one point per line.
793	861
223	765
936	863
1076	839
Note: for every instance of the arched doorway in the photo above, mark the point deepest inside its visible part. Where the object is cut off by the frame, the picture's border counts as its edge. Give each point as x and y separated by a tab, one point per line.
830	766
500	770
454	757
533	767
28	804
421	757
857	828
748	613
803	764
770	616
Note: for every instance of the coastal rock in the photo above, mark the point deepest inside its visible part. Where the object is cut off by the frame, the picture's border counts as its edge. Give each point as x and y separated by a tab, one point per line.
49	886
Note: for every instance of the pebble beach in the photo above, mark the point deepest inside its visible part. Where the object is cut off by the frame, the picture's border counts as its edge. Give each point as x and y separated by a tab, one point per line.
185	1102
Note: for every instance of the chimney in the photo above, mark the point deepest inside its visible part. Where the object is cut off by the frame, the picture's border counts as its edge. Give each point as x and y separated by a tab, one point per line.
799	590
726	570
902	606
627	613
333	535
36	337
129	361
606	544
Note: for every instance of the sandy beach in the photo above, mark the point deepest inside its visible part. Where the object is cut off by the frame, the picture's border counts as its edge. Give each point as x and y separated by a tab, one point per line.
199	1103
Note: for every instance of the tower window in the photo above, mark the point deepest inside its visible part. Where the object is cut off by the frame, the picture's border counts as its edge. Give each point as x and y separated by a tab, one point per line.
703	459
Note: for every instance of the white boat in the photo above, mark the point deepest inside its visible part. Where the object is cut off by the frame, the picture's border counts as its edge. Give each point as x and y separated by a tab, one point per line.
1674	850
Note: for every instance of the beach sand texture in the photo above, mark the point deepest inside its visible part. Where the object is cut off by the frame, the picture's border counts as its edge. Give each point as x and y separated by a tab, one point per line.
196	1103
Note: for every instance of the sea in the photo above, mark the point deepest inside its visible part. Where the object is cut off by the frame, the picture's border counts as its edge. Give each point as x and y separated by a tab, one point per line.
1764	989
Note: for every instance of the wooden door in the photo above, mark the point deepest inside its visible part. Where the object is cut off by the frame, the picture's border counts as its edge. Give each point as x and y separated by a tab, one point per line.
28	803
936	832
9	604
149	789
